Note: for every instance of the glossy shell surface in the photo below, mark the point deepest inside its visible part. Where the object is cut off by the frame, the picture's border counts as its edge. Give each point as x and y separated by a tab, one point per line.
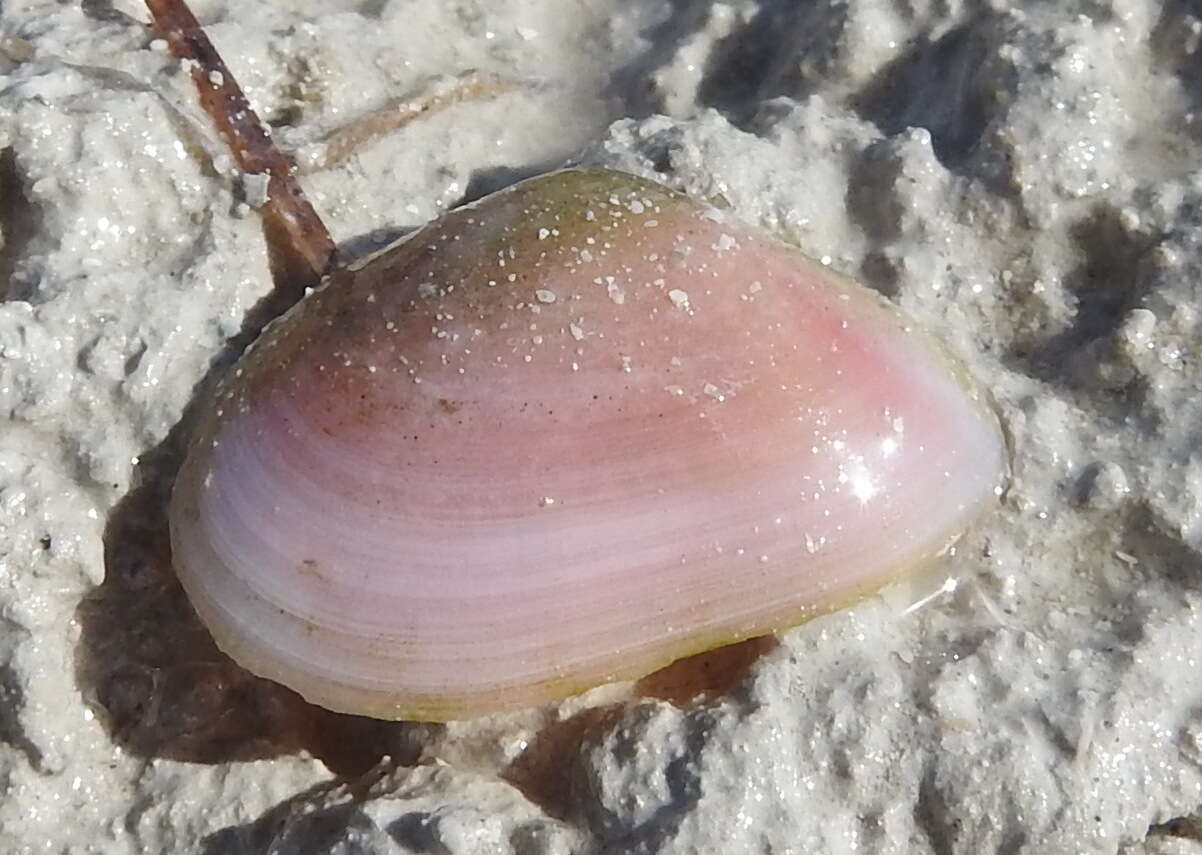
562	436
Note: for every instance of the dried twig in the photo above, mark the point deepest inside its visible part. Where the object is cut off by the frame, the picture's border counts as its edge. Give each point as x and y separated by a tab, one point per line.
287	212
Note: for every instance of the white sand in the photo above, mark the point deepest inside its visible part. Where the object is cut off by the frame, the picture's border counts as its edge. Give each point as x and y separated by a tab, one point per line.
1022	181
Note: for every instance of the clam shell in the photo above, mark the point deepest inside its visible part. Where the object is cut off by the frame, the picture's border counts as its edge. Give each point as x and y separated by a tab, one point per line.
563	436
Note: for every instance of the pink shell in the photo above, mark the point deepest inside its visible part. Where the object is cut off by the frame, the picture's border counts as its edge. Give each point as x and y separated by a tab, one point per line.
563	436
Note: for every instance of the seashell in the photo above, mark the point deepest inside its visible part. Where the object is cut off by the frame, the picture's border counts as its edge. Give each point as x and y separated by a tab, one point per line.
564	436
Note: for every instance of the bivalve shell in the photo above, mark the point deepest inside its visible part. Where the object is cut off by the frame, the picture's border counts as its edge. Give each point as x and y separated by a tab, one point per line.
565	435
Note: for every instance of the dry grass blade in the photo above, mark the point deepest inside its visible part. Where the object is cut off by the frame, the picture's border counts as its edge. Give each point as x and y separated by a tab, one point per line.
345	141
